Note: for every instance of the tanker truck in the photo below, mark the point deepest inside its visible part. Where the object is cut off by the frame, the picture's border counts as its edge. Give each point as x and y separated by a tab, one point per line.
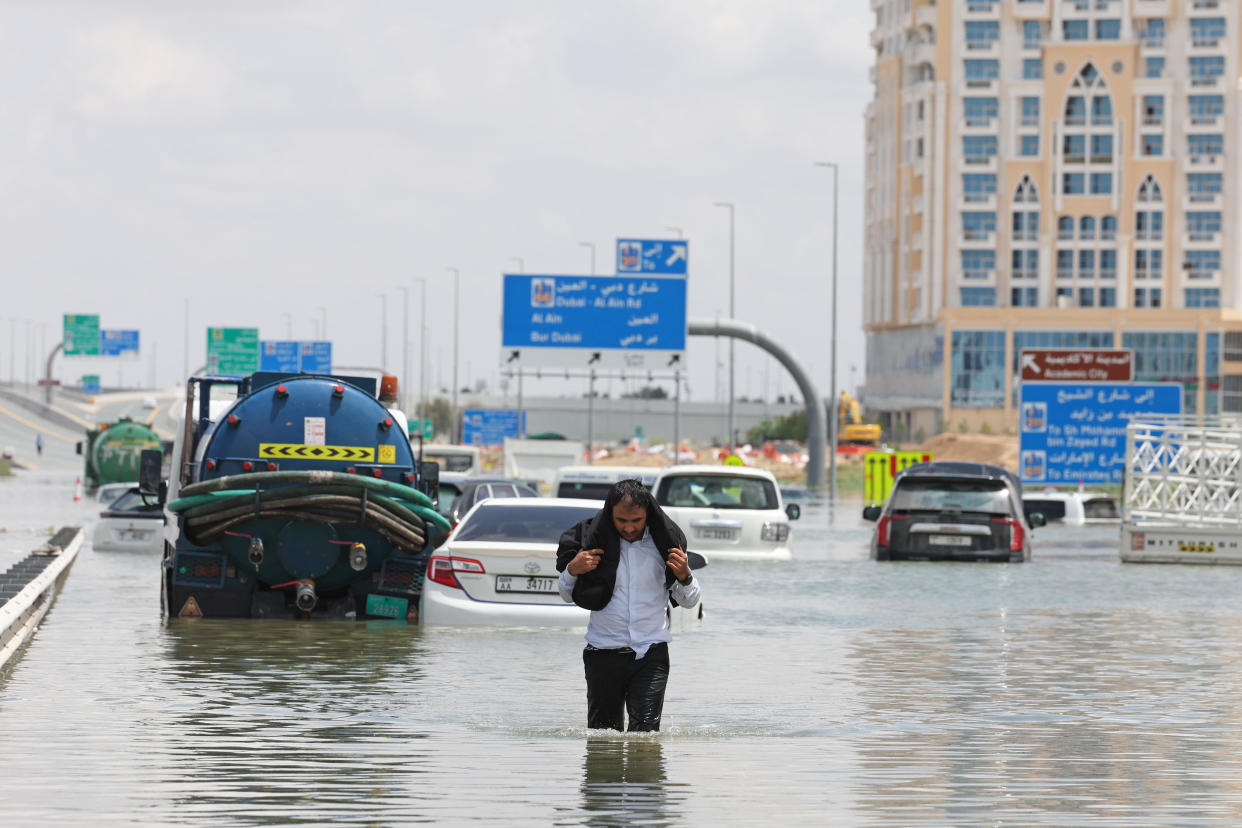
112	450
294	496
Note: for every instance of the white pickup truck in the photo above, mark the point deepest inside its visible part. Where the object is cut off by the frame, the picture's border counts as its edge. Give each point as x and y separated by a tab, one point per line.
728	512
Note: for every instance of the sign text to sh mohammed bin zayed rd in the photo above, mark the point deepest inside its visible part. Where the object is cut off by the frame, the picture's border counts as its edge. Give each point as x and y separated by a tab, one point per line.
598	321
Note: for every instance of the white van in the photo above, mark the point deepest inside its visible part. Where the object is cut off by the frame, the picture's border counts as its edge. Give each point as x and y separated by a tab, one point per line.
453	458
594	482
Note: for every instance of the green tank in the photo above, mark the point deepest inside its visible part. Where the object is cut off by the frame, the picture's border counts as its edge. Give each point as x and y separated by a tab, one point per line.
112	451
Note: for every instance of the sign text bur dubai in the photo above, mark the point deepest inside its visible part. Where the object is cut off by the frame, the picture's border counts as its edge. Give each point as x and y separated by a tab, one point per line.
615	321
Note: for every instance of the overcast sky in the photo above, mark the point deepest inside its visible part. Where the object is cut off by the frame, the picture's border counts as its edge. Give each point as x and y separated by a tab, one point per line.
264	158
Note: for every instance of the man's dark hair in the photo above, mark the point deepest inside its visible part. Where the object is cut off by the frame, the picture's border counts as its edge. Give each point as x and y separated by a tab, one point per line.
631	492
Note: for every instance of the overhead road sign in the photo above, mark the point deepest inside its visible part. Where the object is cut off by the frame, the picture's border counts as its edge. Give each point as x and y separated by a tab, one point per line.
656	257
1076	433
118	342
594	321
90	384
426	427
290	356
488	427
1076	365
315	357
81	334
232	350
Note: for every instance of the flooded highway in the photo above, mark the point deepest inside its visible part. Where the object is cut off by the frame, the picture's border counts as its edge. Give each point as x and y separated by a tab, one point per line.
1071	690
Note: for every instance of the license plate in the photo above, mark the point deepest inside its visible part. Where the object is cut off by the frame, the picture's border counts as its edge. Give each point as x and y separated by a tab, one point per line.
715	533
948	540
134	535
510	583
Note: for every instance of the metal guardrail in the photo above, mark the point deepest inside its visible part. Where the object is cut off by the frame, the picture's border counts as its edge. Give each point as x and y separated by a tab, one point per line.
21	612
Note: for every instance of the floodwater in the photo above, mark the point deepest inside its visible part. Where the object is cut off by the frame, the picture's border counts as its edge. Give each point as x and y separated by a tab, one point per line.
1071	690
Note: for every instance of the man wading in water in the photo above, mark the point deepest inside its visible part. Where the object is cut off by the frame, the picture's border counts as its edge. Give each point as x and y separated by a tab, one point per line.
624	564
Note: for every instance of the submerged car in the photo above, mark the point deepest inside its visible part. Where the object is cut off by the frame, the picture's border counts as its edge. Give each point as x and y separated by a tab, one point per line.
952	511
728	512
475	491
1076	508
130	524
498	568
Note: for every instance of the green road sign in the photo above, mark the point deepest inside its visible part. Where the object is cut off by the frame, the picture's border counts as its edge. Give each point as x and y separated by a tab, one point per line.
81	335
232	350
425	425
90	383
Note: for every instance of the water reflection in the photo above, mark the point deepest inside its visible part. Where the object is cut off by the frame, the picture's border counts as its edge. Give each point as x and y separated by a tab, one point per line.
298	721
624	783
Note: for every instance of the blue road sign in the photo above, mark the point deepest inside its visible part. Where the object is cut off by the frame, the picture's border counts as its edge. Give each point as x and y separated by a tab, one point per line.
117	342
278	356
289	357
600	319
487	427
1076	433
316	357
655	257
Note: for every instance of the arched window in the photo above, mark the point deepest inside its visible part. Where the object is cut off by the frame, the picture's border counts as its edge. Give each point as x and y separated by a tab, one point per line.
1149	191
1026	192
1087	142
1026	219
1065	227
1148	244
1086	227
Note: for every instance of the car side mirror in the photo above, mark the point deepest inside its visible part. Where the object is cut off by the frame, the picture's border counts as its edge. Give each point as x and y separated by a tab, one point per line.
429	479
1036	519
871	513
793	511
149	464
79	447
695	560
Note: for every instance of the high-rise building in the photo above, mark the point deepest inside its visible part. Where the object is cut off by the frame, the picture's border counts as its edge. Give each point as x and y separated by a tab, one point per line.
1050	174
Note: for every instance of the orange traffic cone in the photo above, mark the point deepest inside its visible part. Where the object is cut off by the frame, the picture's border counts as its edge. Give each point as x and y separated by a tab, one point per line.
77	490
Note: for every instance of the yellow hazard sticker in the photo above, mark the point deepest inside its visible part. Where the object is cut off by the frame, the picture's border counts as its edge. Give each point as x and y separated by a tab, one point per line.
1198	548
298	451
190	609
388	454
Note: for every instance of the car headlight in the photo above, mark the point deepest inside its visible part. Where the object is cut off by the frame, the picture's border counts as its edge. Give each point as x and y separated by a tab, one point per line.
778	532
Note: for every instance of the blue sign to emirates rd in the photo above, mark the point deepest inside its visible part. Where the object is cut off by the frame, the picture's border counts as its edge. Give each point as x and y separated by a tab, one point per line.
1071	434
290	356
484	427
658	257
617	312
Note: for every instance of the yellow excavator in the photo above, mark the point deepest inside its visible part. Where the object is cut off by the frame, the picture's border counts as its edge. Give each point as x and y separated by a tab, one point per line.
855	436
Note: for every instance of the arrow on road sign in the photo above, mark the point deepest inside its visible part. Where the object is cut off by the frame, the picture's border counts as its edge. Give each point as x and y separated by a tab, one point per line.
1030	362
679	255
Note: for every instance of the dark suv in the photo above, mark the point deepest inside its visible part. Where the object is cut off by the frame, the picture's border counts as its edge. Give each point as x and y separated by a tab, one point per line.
950	511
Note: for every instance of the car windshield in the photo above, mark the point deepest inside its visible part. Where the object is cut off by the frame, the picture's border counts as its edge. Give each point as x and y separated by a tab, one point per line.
485	491
534	523
589	491
717	491
989	496
451	462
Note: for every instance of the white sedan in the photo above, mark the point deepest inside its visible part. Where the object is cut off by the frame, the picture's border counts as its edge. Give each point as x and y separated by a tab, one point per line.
498	568
130	524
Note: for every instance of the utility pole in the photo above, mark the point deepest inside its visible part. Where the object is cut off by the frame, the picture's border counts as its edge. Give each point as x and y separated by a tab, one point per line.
405	346
832	381
455	427
732	317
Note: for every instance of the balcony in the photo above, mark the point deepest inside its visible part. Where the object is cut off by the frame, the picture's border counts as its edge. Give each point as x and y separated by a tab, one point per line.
1205	81
877	38
1202	236
1151	8
983	9
1205	161
1207	120
920	52
1149	235
979	275
1205	5
1201	200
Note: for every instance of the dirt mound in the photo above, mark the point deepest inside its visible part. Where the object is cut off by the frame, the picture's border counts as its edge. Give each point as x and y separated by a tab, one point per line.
997	449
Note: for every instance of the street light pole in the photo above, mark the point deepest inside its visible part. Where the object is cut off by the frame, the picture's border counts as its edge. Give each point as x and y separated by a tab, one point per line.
833	414
422	347
592	246
732	315
288	325
383	331
455	429
405	346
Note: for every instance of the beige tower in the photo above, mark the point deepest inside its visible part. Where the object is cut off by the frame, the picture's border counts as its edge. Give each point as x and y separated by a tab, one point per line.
1050	173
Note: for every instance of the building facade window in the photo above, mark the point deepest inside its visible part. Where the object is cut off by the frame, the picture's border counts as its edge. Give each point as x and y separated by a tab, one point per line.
978	186
1032	34
1028	146
982	34
1166	356
1145	297
1024	297
1153	33
978	225
1148	265
977	377
1206	145
978	297
978	264
1087	126
1203	186
1205	70
1153	145
980	111
1206	109
1032	68
1203	297
978	149
1108	29
1153	67
1030	111
1203	225
1202	264
1075	29
1206	32
981	72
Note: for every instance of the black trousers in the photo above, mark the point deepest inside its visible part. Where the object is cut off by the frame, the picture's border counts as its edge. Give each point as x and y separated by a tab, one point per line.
617	682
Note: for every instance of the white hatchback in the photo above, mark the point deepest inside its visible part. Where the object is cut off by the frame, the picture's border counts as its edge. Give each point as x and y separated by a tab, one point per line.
130	524
728	512
498	568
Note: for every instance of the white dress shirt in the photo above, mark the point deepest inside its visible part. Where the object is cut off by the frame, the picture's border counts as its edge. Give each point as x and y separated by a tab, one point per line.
636	617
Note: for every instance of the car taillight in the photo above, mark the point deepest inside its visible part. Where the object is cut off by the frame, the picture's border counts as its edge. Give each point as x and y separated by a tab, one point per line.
881	528
441	570
778	532
1017	535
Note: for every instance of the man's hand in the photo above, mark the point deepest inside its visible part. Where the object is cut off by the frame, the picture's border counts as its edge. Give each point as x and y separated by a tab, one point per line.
585	561
679	563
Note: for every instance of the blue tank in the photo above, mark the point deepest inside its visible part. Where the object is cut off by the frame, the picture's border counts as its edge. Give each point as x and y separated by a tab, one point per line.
300	499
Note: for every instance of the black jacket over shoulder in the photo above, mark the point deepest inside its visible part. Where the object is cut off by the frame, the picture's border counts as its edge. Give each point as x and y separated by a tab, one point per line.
593	590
